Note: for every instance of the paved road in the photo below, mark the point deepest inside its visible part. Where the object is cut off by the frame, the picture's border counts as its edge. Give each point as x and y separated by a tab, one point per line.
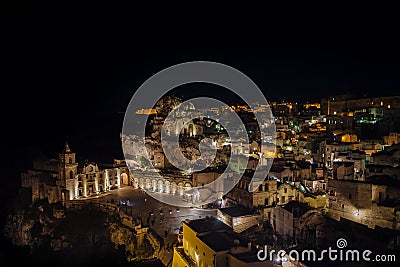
164	219
161	217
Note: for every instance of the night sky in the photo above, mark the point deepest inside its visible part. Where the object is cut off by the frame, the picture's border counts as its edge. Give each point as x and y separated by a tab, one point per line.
71	79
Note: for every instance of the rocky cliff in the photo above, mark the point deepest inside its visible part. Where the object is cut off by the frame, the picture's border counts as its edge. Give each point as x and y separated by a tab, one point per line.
81	233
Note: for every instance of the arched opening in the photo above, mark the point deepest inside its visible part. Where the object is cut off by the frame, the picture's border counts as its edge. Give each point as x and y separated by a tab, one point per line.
124	178
173	188
148	184
191	129
167	187
160	186
142	183
71	174
180	188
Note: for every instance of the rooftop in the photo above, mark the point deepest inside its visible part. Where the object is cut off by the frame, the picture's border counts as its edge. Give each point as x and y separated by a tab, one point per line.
206	225
237	211
303	164
344	163
296	207
215	234
386	152
383	180
222	241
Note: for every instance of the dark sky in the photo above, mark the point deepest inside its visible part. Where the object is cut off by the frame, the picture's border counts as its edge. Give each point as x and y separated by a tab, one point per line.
67	78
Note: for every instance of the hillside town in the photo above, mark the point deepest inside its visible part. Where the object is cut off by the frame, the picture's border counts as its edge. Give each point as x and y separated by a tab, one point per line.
333	172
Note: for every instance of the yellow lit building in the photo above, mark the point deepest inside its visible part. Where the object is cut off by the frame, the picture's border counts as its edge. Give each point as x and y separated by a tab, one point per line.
209	242
348	138
148	111
308	105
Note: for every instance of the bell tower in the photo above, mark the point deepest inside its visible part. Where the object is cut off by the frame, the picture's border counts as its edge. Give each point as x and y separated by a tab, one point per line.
67	166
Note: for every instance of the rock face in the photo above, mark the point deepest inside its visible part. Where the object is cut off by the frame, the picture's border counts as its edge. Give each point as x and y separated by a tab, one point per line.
137	248
19	229
83	230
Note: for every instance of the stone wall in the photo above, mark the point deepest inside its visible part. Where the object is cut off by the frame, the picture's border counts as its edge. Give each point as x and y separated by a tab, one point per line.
282	222
354	201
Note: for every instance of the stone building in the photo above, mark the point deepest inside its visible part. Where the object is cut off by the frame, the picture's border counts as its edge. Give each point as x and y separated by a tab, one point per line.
90	180
390	157
372	169
264	195
45	186
175	184
372	203
343	170
269	193
345	103
209	242
302	170
42	179
285	219
63	180
281	173
392	139
329	152
239	218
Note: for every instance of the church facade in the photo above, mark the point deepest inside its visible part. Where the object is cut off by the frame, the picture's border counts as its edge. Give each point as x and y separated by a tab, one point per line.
66	180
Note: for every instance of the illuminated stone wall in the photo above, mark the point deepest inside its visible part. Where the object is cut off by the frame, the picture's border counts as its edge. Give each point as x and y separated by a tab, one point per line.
360	202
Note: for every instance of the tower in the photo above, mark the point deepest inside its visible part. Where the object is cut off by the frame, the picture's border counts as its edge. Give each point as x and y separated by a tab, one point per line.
67	167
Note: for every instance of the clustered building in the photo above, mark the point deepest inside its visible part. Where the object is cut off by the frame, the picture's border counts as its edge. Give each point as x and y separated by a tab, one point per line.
335	163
